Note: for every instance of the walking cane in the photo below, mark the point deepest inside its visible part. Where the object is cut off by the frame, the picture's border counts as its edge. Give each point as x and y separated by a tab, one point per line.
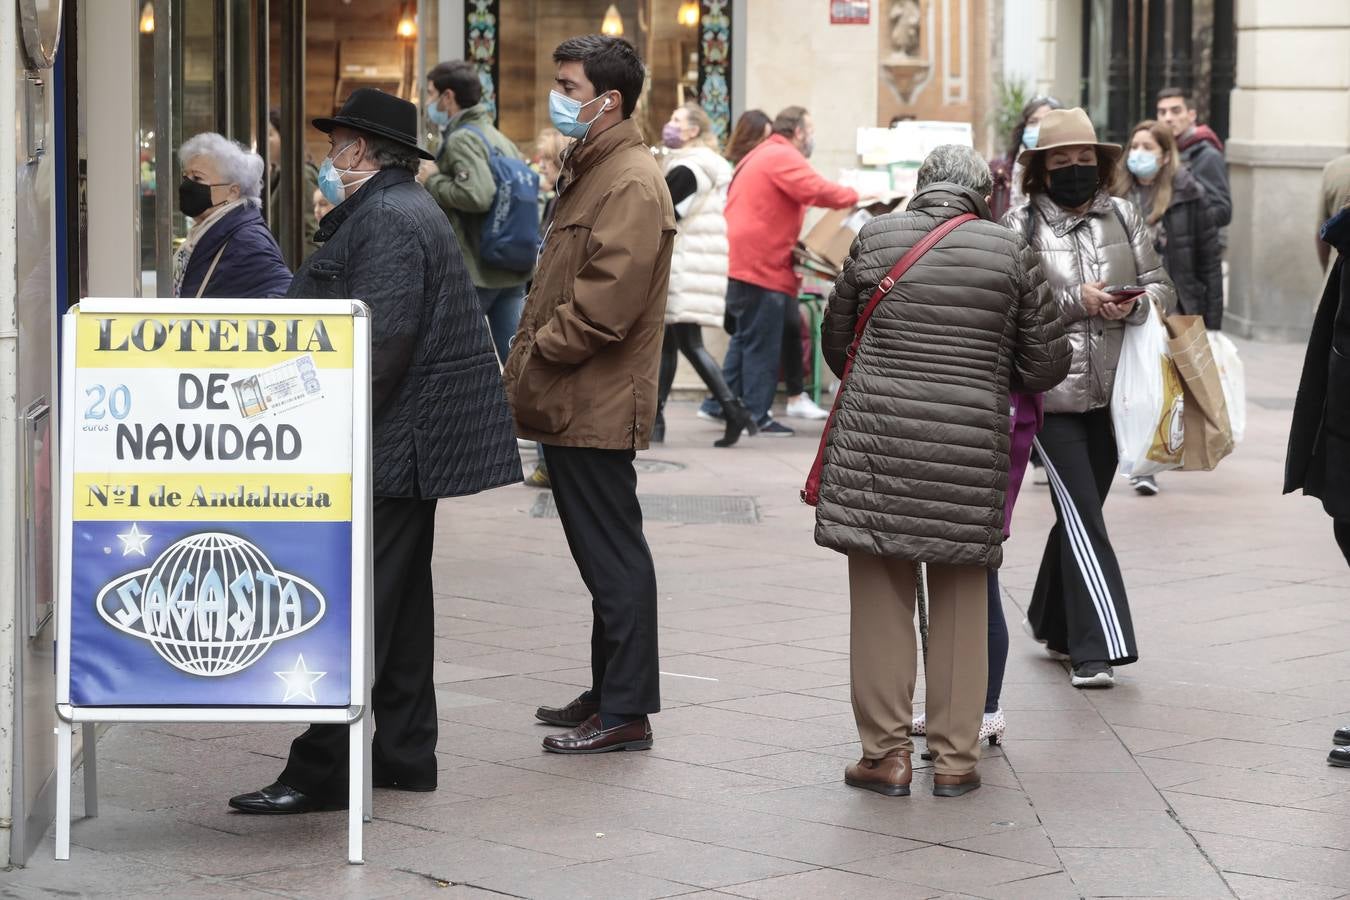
921	591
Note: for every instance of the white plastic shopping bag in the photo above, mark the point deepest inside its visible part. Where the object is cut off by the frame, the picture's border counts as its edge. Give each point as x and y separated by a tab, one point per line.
1147	401
1233	377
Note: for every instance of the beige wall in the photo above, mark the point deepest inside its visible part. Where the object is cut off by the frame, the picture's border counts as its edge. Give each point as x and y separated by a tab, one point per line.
795	56
1291	114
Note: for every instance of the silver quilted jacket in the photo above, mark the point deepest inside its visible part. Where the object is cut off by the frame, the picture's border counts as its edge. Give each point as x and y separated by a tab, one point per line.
1103	244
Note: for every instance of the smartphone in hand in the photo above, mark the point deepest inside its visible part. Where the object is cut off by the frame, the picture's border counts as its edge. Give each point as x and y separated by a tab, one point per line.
1125	293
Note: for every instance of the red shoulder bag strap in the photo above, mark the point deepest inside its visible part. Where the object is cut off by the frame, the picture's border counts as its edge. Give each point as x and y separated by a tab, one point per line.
811	493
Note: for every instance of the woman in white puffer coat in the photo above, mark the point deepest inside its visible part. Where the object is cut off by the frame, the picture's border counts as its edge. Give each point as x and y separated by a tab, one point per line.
697	176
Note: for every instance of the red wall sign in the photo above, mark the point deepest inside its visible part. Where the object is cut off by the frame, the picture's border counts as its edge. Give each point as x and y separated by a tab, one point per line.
850	12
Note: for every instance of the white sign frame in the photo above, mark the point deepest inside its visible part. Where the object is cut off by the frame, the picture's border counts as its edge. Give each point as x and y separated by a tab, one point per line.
355	716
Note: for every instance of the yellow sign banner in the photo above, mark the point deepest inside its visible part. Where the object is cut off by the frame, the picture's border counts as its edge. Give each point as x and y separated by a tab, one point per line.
181	342
208	497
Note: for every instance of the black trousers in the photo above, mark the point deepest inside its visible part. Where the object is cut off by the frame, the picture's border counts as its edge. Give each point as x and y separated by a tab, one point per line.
1341	528
596	495
403	696
687	338
1079	606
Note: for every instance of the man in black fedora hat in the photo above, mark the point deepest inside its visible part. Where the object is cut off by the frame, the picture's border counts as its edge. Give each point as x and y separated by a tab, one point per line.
441	428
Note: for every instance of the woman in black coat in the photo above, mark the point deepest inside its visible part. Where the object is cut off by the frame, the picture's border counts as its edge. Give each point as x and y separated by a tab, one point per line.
229	252
1178	216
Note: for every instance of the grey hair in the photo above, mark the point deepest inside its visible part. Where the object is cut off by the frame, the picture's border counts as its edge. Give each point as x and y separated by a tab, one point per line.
955	164
391	154
238	165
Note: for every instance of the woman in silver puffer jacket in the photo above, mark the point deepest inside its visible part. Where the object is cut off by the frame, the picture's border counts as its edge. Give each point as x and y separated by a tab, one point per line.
1088	242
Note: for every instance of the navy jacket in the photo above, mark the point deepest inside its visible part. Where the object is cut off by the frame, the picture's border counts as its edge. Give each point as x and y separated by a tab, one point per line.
441	424
251	265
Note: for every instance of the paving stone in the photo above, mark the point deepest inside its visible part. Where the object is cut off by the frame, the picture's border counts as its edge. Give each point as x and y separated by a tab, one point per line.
1120	829
1115	872
820	883
948	868
710	866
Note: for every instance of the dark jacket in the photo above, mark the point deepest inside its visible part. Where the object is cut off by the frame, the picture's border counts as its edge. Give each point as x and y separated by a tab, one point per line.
1319	438
1189	246
441	425
1206	162
917	462
306	201
251	265
583	367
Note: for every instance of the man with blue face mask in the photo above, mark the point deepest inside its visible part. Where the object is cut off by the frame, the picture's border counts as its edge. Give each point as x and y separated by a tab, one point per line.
440	427
461	181
582	378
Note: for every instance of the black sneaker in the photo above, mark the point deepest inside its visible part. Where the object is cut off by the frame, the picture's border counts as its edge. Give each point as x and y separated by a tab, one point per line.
1093	674
771	428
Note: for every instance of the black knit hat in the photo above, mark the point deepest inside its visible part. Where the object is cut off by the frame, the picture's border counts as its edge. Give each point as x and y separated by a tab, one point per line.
378	113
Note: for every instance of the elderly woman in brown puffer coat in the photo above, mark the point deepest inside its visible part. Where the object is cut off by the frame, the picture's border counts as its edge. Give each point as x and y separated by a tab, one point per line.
916	465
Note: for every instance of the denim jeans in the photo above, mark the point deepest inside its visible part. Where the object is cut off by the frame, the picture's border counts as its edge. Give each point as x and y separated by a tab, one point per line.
751	364
503	307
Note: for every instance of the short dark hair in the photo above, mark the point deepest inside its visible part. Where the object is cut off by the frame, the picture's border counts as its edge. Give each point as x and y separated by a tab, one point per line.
274	117
789	120
1169	92
610	64
1033	176
391	154
460	78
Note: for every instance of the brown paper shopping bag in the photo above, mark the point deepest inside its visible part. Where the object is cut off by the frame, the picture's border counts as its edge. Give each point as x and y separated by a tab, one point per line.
1209	435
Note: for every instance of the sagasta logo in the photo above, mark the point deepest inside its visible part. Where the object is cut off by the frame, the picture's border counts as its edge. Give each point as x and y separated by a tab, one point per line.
211	604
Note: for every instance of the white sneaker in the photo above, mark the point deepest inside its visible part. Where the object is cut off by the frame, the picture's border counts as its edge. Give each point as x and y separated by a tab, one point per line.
803	407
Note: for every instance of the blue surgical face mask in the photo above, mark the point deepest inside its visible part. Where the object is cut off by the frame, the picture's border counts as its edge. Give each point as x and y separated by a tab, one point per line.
331	185
1030	135
437	116
563	110
1142	163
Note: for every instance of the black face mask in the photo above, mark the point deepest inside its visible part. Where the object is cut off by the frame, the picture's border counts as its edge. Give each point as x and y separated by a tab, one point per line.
1072	186
194	198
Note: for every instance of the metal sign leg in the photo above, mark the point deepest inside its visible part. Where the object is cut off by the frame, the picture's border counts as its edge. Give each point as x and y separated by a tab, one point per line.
63	765
356	789
89	749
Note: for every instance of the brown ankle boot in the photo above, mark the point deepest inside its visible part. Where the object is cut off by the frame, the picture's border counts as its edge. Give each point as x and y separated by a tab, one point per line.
889	775
955	785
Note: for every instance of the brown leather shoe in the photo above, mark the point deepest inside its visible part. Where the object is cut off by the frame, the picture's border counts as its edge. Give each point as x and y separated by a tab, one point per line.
589	737
569	716
955	785
889	775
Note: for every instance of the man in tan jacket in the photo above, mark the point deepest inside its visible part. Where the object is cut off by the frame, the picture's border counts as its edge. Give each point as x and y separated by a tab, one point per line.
582	378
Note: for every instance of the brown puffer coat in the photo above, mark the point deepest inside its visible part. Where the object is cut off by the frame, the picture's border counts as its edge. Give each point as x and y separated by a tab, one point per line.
917	461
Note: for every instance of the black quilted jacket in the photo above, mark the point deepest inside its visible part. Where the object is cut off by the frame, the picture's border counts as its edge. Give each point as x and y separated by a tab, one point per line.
1190	250
917	462
441	424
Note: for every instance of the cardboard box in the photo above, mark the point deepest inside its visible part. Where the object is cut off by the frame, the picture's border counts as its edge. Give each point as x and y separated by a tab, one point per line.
832	237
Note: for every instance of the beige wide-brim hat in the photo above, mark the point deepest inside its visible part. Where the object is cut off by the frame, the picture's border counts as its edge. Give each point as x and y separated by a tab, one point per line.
1068	128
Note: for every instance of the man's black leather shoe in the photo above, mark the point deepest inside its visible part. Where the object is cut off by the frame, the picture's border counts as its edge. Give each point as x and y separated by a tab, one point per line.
569	716
392	784
1339	757
278	799
1342	737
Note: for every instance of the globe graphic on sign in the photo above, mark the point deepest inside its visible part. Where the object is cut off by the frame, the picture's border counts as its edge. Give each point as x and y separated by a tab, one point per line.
211	604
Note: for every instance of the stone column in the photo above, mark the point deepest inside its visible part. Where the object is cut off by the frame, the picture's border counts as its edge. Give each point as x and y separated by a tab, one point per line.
1290	115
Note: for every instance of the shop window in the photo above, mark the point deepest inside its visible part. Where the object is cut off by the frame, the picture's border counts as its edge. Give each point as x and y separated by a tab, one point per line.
513	41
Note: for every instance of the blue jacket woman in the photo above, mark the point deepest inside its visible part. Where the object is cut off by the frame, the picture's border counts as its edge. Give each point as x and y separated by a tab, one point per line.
229	251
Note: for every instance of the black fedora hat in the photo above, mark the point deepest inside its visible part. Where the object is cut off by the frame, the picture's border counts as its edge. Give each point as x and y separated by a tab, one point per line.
374	111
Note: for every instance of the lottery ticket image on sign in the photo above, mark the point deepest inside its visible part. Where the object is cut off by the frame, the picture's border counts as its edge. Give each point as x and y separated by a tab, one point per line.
212	532
280	388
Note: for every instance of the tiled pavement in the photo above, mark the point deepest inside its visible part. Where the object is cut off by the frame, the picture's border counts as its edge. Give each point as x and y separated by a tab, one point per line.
1200	775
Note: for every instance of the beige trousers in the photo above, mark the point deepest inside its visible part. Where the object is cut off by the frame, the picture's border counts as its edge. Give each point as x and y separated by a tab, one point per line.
884	658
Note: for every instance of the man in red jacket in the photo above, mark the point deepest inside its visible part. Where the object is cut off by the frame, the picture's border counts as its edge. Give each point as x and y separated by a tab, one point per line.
773	187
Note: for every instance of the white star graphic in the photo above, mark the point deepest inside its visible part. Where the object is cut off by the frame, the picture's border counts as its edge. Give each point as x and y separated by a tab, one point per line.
300	681
134	540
